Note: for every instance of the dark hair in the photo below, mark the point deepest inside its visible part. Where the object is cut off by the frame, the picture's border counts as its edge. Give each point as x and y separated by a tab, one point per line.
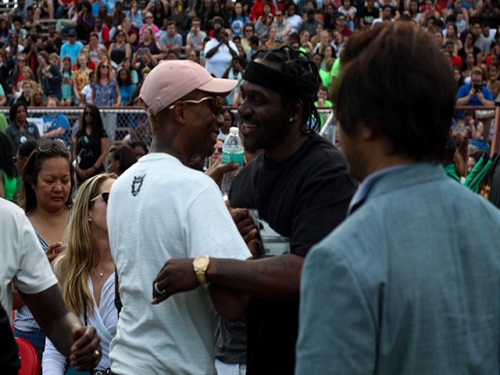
32	169
13	109
139	144
97	124
7	152
465	37
233	117
25	149
249	24
254	39
128	80
299	64
126	156
17	18
388	71
85	4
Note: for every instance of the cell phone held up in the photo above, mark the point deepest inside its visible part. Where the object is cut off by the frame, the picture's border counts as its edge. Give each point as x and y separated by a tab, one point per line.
478	87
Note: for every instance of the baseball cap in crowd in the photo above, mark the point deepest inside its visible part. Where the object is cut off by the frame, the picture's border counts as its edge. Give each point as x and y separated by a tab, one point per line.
172	80
72	32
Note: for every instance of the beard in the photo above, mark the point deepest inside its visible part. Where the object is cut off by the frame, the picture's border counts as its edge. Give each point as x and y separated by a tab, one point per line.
268	136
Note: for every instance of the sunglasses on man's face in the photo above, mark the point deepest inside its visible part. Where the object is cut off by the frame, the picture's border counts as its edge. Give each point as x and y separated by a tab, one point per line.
216	105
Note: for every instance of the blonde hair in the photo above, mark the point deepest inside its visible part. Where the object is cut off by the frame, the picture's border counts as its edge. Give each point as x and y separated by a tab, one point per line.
80	257
37	90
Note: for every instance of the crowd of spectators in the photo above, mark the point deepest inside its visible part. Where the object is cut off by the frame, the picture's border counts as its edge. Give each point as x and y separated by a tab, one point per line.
97	54
55	45
73	53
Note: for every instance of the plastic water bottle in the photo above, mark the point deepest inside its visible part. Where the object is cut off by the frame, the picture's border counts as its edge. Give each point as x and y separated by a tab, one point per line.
232	152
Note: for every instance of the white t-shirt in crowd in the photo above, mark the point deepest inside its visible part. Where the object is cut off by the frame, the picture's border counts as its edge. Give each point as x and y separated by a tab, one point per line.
219	62
23	262
160	209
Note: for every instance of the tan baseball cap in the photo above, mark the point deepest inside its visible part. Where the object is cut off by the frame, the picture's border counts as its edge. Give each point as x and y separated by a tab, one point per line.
171	80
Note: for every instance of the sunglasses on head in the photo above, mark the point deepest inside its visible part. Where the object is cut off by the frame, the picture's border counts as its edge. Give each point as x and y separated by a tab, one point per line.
216	105
46	145
104	195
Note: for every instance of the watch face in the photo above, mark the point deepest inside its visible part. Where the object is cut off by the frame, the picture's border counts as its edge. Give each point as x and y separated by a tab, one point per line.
201	262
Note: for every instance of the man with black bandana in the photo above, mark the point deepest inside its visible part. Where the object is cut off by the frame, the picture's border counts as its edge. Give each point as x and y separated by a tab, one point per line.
301	188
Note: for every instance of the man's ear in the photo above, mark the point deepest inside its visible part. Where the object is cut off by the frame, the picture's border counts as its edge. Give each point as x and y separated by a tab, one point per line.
367	132
295	109
178	112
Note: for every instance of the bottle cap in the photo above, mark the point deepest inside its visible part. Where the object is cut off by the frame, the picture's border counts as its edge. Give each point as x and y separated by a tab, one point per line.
234	130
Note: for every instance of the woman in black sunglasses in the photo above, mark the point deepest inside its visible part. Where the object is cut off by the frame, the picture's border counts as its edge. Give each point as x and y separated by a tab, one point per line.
46	198
86	271
91	144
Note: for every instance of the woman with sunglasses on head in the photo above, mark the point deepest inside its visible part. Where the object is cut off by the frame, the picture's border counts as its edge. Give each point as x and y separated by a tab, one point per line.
46	198
86	271
91	144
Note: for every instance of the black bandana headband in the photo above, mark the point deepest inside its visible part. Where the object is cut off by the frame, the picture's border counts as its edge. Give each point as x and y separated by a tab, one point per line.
278	81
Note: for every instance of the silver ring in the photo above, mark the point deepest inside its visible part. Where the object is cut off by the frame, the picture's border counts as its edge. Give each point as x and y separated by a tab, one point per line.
158	290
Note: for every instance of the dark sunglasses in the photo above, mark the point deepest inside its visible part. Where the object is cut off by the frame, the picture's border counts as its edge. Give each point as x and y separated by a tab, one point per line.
104	195
248	30
88	114
46	145
219	149
105	66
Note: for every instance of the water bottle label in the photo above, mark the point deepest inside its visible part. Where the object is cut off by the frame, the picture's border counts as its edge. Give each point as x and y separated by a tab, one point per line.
233	158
